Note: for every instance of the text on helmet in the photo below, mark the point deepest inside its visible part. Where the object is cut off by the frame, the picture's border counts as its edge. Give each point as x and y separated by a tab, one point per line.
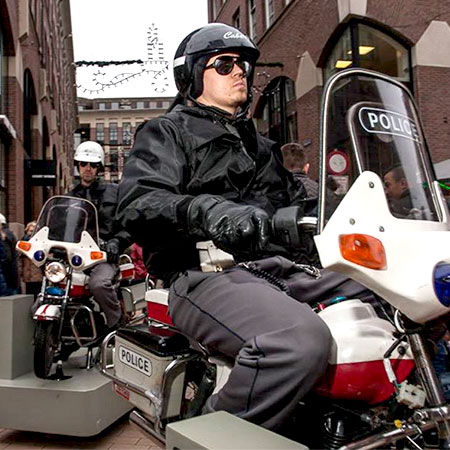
234	35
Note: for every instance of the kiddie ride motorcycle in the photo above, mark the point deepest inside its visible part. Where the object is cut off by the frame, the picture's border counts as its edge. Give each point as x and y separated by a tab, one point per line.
66	245
381	389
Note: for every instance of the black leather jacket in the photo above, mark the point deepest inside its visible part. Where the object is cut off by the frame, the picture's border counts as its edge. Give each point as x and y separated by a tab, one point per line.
105	197
185	153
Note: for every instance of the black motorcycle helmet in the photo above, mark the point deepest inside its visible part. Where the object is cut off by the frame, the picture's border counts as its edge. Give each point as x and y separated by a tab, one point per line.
195	50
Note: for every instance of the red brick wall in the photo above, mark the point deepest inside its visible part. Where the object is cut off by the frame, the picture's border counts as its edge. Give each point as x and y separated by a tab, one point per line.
306	25
432	93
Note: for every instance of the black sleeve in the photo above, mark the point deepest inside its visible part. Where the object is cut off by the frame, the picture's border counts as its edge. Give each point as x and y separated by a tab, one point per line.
151	190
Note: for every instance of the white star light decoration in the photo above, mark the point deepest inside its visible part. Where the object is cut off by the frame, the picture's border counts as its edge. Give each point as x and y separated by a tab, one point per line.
155	67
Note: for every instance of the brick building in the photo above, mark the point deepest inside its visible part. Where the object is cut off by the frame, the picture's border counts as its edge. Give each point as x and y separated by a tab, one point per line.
37	105
303	42
112	122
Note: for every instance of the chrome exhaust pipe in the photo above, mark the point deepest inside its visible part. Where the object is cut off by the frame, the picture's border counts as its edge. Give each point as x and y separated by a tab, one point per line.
423	420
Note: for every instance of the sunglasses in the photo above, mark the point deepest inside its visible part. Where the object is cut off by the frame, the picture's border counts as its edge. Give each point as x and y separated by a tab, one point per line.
92	164
224	65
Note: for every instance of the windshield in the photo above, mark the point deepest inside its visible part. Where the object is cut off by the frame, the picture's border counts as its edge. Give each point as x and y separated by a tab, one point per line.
67	218
371	125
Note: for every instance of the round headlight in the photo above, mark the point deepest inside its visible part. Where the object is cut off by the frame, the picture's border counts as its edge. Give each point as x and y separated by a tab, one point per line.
55	272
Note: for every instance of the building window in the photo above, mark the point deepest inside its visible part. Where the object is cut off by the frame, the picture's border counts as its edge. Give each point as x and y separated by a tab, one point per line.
270	13
102	106
159	105
361	45
139	105
113	163
289	87
126	133
113	133
237	19
115	105
100	132
292	134
278	110
252	19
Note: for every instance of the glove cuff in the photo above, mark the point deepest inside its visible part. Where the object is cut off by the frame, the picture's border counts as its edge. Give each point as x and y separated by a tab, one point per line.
197	211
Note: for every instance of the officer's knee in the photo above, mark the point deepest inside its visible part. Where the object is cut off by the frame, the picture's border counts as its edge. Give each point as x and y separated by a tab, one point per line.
99	284
311	343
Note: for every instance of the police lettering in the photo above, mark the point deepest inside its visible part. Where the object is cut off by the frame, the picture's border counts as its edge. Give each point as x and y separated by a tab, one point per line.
135	360
380	121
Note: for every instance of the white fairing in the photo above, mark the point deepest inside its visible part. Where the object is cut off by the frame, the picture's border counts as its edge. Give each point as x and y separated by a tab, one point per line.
359	335
87	244
79	279
47	312
413	248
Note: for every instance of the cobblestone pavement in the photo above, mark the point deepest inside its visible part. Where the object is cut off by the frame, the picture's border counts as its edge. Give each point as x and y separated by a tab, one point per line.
118	436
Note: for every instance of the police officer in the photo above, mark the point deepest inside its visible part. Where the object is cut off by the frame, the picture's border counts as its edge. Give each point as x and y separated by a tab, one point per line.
202	172
90	159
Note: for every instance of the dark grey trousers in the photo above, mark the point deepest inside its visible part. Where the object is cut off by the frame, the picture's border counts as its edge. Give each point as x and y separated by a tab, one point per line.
104	292
279	345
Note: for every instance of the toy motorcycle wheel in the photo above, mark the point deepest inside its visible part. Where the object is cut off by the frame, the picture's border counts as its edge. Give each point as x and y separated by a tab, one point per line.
44	348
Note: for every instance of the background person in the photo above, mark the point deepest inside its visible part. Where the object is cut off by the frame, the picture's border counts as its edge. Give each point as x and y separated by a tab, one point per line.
10	269
295	159
90	159
30	274
202	172
397	192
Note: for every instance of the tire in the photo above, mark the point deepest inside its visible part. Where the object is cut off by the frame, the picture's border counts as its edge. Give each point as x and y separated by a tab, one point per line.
44	348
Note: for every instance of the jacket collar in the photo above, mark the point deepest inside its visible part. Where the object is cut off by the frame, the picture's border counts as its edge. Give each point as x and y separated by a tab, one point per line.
219	120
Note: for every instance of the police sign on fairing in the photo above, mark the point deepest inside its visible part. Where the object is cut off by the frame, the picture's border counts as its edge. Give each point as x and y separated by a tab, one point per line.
382	121
135	360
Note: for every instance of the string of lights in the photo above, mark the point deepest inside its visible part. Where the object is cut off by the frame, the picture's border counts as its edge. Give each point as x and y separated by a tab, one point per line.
156	67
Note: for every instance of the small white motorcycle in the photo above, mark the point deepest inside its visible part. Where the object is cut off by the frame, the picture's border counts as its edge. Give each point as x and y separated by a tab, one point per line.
381	389
65	245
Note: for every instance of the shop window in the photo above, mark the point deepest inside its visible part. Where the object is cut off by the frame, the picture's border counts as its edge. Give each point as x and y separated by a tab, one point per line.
361	45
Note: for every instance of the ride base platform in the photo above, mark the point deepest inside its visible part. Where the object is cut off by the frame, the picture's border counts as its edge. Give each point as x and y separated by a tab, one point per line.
82	405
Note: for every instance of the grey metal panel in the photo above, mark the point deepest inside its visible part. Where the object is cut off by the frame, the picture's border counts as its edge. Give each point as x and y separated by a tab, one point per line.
16	336
220	431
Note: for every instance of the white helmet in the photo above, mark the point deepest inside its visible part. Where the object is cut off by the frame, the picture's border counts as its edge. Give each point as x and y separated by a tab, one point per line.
90	151
2	219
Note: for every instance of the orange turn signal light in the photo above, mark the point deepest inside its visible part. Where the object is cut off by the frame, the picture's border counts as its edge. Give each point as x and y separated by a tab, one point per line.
24	245
97	255
363	250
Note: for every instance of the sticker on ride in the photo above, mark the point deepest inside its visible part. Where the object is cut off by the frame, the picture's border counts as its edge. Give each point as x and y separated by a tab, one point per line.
382	121
135	360
123	392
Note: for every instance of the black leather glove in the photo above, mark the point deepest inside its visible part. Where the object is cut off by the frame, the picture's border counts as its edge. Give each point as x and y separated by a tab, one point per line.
238	229
112	249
